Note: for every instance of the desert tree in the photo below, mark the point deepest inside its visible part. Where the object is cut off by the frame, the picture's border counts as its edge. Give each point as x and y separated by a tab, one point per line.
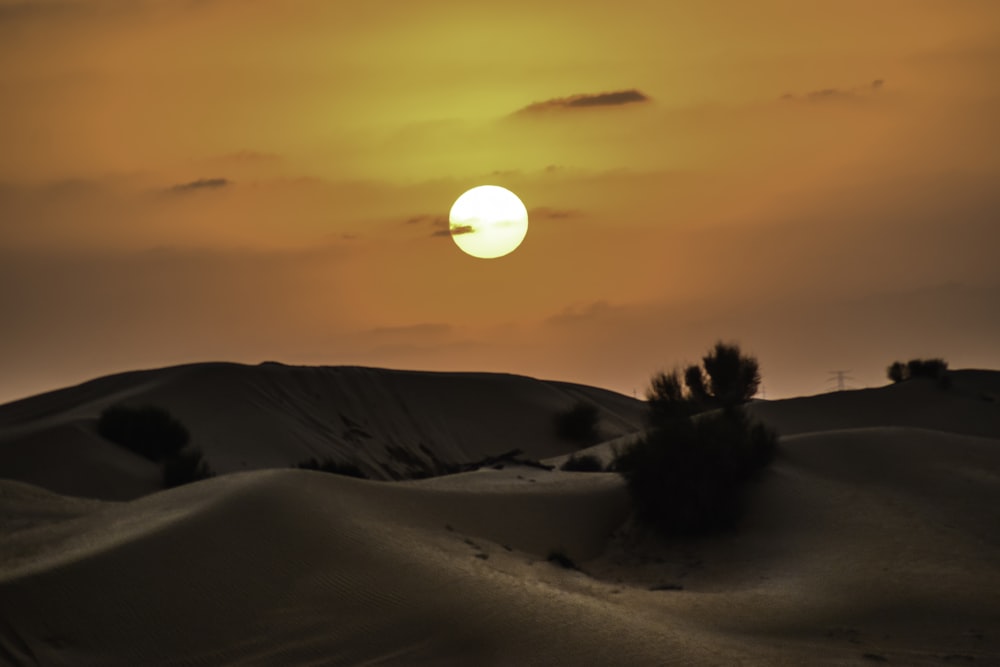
688	473
579	424
733	378
897	371
147	430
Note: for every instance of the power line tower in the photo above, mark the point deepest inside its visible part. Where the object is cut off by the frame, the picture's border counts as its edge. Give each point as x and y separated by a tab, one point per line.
840	377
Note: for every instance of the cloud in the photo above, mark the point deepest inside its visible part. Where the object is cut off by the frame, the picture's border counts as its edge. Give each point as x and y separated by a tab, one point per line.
828	94
457	230
201	184
546	213
442	226
586	100
435	220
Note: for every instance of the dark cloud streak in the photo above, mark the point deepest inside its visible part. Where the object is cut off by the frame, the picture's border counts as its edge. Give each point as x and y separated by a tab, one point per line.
587	100
201	184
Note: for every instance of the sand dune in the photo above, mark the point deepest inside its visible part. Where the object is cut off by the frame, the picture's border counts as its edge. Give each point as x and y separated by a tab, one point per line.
862	544
392	424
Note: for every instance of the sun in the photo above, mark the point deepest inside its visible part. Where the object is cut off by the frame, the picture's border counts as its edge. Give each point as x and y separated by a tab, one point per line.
488	221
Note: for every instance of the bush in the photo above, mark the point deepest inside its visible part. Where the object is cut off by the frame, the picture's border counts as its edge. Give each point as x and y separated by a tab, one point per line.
931	369
579	424
689	476
733	378
583	463
331	466
147	430
726	379
184	467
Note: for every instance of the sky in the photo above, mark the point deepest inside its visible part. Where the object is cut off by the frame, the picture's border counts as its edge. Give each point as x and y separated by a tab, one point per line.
251	180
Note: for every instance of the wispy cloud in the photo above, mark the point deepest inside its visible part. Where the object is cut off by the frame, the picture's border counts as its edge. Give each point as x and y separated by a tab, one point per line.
587	100
201	184
829	94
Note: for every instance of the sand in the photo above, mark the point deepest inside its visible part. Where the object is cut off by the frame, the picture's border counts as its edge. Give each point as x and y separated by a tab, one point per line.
873	538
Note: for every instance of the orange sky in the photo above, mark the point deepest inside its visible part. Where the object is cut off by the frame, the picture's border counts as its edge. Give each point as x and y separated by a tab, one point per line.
252	179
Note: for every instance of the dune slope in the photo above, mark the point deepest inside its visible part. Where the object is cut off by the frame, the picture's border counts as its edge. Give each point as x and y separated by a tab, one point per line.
391	424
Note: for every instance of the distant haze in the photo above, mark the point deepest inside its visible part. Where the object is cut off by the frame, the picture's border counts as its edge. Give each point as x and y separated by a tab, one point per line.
249	181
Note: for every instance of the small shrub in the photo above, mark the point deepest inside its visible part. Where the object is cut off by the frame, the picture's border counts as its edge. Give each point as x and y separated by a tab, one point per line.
727	378
147	430
689	476
897	371
583	463
335	467
930	369
184	467
579	424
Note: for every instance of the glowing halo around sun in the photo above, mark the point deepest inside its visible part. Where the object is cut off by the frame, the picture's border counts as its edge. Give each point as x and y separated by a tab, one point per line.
488	222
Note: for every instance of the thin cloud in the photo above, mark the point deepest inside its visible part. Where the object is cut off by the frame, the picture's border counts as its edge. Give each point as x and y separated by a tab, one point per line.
587	100
829	94
546	213
442	226
201	184
457	230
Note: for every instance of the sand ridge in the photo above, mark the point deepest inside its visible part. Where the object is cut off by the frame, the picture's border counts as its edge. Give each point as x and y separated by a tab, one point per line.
865	542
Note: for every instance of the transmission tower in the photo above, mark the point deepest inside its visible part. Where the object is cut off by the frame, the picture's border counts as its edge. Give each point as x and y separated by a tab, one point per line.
840	377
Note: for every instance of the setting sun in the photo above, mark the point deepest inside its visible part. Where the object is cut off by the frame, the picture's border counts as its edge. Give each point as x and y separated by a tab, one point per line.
488	222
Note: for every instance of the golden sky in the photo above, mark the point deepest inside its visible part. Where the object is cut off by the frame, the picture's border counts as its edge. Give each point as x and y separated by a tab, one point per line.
187	180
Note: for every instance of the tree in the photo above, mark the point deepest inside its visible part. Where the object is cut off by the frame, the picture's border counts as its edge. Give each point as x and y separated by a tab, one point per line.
733	377
932	369
688	473
147	430
726	379
579	424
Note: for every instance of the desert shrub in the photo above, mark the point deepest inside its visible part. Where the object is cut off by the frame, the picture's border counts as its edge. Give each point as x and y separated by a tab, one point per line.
147	430
930	369
579	424
897	371
184	467
689	476
733	378
726	378
583	463
331	466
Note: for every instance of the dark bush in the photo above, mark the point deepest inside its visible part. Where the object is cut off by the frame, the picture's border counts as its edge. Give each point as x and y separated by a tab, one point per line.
688	476
184	467
930	369
727	378
146	430
897	371
335	467
733	378
583	463
579	424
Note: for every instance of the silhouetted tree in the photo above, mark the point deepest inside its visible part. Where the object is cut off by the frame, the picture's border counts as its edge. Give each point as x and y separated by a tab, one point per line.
733	377
897	371
666	400
694	378
579	424
687	474
147	430
932	369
